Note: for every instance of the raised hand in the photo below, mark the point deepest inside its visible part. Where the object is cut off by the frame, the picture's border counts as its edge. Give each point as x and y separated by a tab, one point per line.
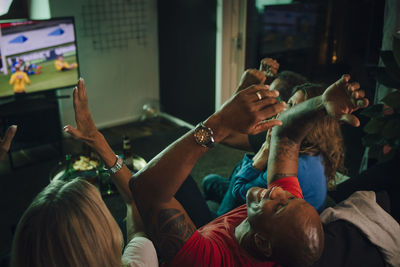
247	110
85	130
251	77
342	98
269	66
5	142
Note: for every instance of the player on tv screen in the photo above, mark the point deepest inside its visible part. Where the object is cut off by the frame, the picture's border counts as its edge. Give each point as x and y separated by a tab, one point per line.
61	65
18	79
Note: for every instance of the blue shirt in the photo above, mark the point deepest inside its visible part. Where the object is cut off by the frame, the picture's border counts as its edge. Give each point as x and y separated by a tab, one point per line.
310	174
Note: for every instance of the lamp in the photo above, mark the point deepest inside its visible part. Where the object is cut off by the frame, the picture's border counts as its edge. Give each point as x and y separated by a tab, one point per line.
39	9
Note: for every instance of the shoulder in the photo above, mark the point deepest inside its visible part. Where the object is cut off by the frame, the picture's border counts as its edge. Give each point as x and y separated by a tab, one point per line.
213	243
140	251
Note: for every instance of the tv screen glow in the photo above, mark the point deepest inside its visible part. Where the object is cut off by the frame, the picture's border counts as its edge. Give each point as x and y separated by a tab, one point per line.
42	55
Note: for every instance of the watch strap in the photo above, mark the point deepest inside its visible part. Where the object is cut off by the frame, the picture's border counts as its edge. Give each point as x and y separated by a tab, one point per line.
117	166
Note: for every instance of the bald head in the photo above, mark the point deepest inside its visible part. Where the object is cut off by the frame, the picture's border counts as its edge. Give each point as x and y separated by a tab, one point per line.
300	241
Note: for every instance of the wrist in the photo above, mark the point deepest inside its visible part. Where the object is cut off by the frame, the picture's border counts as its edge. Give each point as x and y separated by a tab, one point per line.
298	120
219	132
100	145
96	140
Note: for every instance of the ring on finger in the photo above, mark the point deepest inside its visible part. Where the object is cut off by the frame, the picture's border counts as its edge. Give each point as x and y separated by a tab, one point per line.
259	95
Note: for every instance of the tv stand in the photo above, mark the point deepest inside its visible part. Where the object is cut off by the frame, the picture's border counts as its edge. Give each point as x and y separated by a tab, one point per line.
38	122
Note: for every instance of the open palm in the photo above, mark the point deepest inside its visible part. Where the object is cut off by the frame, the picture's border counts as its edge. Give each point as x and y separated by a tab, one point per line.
343	98
85	130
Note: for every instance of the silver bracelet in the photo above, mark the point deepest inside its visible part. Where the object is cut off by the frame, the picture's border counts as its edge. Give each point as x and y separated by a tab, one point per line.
117	166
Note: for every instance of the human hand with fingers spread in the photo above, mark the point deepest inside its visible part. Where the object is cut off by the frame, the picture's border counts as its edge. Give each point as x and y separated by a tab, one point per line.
246	111
339	100
342	98
5	142
85	130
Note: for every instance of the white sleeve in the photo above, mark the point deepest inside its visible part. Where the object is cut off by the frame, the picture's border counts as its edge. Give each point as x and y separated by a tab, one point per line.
140	252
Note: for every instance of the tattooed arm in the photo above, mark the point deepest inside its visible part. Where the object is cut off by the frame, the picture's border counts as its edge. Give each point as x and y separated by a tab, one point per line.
154	186
339	100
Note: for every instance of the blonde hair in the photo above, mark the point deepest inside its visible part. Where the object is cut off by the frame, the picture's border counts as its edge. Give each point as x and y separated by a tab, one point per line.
67	224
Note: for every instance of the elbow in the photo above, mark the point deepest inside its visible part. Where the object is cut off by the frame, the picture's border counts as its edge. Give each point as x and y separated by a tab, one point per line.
236	192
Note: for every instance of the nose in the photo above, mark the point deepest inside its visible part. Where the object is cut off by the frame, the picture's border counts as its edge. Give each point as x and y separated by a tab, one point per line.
278	194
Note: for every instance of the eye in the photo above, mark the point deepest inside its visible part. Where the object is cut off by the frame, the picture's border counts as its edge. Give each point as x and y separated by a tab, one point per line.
292	197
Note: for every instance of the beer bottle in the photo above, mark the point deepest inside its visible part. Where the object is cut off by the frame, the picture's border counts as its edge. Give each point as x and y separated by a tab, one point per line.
127	152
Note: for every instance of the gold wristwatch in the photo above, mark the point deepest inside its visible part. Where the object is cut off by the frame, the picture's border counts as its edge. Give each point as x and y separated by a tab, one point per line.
203	135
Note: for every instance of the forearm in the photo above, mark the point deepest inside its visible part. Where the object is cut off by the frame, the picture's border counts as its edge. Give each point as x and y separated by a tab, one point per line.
120	178
165	173
260	160
299	120
134	224
286	139
238	141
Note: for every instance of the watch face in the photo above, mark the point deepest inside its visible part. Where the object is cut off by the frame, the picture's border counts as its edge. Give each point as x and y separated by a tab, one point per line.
203	136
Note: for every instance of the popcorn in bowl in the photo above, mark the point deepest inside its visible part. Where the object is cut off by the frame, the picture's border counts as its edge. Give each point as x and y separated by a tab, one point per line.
85	163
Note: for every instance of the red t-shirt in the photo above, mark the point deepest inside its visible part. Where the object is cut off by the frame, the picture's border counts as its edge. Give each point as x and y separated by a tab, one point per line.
215	244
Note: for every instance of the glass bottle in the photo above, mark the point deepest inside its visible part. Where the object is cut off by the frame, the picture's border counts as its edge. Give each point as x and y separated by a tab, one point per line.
127	152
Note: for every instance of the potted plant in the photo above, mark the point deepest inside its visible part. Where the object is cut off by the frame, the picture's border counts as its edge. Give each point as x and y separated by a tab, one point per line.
383	129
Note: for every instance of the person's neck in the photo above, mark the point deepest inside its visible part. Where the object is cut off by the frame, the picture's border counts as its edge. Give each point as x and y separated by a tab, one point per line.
244	235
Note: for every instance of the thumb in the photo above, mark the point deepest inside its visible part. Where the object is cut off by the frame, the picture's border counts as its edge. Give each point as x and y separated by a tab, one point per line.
9	135
350	119
75	133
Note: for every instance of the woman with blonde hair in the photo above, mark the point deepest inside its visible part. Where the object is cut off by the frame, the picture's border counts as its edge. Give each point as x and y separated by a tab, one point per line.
68	224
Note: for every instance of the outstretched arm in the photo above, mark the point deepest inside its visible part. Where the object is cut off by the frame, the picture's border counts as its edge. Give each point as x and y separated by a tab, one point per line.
155	185
87	132
339	100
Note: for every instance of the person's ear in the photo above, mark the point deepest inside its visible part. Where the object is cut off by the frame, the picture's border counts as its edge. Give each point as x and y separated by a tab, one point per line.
263	245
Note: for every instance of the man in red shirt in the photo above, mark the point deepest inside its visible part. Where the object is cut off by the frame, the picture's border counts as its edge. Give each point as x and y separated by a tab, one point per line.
276	225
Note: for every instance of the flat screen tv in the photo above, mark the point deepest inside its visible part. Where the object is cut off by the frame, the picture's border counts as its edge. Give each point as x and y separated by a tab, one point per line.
37	56
288	27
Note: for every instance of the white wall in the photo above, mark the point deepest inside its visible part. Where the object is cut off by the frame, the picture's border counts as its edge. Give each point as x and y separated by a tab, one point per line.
231	48
119	81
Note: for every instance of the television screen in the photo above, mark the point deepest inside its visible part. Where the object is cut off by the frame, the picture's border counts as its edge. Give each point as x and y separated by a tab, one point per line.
288	27
37	55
